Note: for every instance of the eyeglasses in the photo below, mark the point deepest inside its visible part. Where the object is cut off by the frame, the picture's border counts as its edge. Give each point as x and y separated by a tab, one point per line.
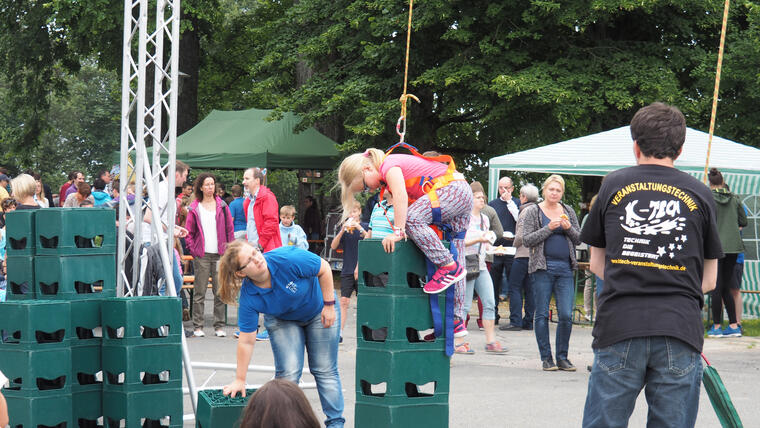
250	260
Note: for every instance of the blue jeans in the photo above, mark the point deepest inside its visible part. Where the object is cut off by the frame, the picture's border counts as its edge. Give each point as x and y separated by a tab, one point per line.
557	278
599	285
519	281
289	339
483	285
668	369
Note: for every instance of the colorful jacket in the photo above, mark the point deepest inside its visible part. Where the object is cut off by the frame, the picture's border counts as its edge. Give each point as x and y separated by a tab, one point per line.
224	228
267	218
293	235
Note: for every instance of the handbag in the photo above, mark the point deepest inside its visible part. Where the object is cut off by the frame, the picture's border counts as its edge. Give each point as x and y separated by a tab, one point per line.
472	261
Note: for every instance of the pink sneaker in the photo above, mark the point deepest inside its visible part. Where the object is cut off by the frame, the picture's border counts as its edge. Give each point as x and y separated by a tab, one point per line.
444	278
459	329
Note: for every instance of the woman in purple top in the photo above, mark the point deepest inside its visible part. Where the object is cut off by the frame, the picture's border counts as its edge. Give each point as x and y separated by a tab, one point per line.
209	229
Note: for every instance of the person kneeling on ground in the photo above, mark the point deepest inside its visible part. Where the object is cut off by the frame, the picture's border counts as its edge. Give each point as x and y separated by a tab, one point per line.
293	288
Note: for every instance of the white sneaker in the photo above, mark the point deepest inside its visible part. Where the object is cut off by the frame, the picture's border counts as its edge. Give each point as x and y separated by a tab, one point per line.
220	333
199	333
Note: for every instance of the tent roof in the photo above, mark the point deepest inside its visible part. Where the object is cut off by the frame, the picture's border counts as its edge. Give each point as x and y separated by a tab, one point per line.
243	139
599	154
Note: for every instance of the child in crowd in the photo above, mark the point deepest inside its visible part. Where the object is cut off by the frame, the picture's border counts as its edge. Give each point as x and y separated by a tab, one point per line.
381	219
279	403
291	234
351	232
417	179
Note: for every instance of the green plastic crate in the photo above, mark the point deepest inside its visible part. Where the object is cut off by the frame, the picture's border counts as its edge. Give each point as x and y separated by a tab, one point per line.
142	320
401	272
86	368
75	277
86	408
35	412
403	373
74	231
131	407
141	367
19	227
217	410
36	373
86	322
35	324
396	322
20	279
372	415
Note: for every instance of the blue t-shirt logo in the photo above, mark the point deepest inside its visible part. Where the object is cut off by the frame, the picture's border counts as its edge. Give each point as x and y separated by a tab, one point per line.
292	287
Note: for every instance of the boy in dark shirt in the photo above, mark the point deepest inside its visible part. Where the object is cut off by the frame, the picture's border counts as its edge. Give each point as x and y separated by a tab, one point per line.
351	232
655	243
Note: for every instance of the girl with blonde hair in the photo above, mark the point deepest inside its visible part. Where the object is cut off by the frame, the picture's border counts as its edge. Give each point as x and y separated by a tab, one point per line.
293	288
418	185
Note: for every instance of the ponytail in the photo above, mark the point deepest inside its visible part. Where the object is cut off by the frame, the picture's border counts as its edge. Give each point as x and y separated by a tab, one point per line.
229	283
351	169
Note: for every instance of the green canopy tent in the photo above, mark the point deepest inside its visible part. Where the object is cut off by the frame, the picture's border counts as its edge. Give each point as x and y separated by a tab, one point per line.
242	139
604	152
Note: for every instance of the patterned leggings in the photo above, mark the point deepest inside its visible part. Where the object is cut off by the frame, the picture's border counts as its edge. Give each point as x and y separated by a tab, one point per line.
456	205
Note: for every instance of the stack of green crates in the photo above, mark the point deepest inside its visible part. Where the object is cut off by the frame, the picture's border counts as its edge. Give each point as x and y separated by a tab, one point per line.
401	378
76	355
35	356
142	361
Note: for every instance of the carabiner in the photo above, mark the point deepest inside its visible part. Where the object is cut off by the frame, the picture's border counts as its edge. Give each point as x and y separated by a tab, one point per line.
401	133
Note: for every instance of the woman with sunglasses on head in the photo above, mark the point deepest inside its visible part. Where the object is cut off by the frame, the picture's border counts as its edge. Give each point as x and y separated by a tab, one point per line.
293	288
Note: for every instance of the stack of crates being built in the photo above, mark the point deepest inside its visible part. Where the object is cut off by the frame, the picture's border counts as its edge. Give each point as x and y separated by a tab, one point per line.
402	372
75	355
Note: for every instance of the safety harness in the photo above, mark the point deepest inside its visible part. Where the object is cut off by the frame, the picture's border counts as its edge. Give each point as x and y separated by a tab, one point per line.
444	231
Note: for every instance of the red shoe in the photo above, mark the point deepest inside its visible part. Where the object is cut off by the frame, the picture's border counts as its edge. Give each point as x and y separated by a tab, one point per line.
480	324
459	328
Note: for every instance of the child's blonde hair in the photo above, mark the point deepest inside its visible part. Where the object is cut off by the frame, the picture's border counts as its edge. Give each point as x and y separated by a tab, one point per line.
229	283
350	169
288	210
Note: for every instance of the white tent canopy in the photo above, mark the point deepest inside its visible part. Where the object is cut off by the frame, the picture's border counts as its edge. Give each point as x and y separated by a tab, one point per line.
599	154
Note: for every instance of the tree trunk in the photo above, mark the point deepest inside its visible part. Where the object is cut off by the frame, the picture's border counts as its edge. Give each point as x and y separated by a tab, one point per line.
189	64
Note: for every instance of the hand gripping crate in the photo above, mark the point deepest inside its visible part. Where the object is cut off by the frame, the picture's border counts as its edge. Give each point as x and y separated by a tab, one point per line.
217	410
52	411
36	373
397	322
141	320
401	272
20	278
402	388
144	408
19	227
141	367
74	231
75	277
35	324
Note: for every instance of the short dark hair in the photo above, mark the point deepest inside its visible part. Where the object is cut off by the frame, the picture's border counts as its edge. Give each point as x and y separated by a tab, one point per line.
279	403
659	130
73	175
99	184
84	189
198	183
236	190
715	177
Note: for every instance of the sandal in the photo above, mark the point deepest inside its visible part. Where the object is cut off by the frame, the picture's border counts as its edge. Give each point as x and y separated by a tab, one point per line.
463	348
495	348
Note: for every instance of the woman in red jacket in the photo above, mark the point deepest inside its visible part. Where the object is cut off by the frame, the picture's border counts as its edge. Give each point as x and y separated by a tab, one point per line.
209	227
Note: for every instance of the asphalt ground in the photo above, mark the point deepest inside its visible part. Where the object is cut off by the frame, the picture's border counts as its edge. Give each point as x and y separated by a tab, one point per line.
507	390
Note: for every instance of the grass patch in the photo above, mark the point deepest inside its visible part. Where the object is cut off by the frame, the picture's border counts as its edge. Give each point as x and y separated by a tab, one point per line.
751	327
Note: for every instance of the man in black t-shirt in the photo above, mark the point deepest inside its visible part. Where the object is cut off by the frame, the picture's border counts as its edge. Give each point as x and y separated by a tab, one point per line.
655	243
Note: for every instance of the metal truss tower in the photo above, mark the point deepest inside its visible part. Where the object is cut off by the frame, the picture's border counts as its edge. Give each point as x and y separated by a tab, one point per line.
149	119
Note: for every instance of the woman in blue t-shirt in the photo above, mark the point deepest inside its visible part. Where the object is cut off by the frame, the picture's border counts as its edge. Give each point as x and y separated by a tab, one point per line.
293	288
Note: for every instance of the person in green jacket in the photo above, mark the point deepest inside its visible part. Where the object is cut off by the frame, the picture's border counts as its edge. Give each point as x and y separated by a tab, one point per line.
730	217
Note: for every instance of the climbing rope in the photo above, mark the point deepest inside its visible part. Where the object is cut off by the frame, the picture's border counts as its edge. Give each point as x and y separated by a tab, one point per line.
401	123
717	85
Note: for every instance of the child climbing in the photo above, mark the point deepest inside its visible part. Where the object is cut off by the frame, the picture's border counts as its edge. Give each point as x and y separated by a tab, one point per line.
419	186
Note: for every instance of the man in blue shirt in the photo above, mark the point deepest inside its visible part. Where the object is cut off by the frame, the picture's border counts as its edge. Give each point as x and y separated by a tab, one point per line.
236	210
506	207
